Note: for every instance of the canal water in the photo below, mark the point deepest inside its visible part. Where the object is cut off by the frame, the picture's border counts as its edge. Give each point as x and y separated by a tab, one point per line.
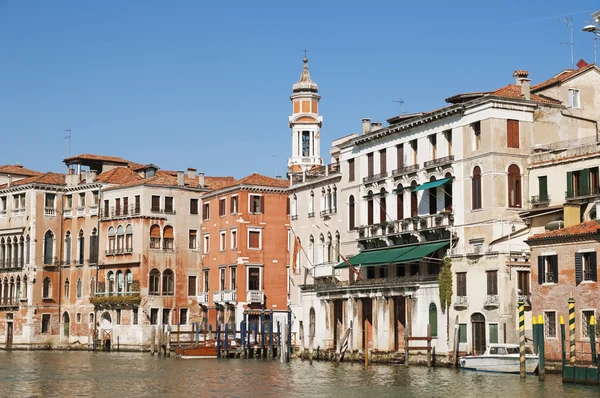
86	374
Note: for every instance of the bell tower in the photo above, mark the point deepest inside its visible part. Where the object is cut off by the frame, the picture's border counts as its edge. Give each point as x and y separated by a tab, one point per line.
305	123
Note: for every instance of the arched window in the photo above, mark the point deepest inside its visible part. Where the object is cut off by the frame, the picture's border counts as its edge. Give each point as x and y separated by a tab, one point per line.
432	198
294	206
155	237
400	202
476	188
27	247
49	248
448	193
21	252
120	282
168	237
514	186
321	258
120	239
370	209
334	199
329	248
337	246
167	283
351	213
129	238
2	253
47	288
111	282
111	240
68	248
81	248
94	247
382	206
92	286
24	287
154	282
8	253
311	249
433	320
414	204
79	288
18	289
11	294
67	288
128	281
311	205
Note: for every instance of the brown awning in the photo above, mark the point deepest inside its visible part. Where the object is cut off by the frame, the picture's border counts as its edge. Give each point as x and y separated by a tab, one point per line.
168	232
155	231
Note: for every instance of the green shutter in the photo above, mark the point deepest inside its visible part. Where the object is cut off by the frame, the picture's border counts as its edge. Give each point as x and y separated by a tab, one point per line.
494	333
555	267
593	267
541	270
462	333
585	182
543	183
578	268
570	184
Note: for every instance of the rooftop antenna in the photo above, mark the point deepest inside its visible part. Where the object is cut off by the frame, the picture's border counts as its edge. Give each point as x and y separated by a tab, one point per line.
68	137
401	102
568	21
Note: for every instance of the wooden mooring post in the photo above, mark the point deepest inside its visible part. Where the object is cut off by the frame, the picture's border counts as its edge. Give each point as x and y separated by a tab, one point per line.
168	342
428	345
366	343
153	341
541	354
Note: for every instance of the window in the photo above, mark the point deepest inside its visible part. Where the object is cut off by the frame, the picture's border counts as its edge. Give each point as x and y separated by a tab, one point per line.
49	248
50	201
128	281
81	248
514	186
523	283
206	281
254	278
168	238
585	267
222	207
512	129
550	324
370	209
548	269
351	175
432	198
306	142
492	283
183	316
193	206
543	189
254	239
128	238
45	323
169	208
382	161
232	278
234	239
78	317
586	316
400	156
155	204
193	239
461	284
79	288
67	288
222	277
476	129
118	321
67	248
206	211
257	204
206	246
233	205
574	98
166	316
47	288
462	333
111	282
167	283
433	143
120	282
153	316
415	150
448	135
192	285
69	202
493	333
351	213
476	189
414	200
222	241
111	239
154	237
370	166
134	316
311	205
433	324
154	282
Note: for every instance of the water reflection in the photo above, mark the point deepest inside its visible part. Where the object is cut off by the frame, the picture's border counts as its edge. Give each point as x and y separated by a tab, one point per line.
130	374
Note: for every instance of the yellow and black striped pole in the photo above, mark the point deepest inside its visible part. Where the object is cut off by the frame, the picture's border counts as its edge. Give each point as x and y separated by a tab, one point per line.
593	340
534	330
573	357
522	368
541	348
562	341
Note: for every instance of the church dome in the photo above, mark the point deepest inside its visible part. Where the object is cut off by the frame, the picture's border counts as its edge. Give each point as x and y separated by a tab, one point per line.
305	84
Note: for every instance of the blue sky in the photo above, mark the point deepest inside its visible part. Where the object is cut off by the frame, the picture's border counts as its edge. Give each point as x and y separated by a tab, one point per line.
207	84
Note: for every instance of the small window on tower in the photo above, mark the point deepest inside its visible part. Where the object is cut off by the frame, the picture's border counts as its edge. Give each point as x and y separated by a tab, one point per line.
306	143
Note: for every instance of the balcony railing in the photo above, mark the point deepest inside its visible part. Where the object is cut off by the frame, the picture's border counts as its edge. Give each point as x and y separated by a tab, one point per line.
405	170
255	296
50	212
367	284
311	214
202	298
18	212
407	225
327	212
227	296
439	162
120	211
218	297
461	302
81	211
68	213
375	177
582	193
94	210
540	200
114	252
492	301
170	211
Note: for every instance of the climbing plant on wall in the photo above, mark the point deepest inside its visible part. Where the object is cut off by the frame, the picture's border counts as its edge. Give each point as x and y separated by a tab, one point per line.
445	280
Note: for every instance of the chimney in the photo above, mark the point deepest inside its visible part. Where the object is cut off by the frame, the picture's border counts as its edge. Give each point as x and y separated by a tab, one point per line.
375	126
572	214
201	180
522	80
90	177
366	125
9	181
191	173
278	177
180	179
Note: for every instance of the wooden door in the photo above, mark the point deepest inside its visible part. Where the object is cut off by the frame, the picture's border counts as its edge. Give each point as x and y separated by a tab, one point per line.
478	330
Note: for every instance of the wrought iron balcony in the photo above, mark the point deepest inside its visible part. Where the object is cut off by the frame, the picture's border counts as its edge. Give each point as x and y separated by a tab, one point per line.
461	302
369	284
439	162
202	298
537	200
255	296
375	177
405	170
492	301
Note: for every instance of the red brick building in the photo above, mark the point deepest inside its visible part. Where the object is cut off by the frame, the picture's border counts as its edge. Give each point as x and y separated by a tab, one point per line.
564	263
245	259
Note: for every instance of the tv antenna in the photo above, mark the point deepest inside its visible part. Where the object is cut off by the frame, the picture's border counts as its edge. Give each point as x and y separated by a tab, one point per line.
401	102
568	21
68	137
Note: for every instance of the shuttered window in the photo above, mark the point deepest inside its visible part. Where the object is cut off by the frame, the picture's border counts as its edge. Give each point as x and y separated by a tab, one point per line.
155	203
351	213
254	239
492	283
548	269
512	127
514	186
193	206
382	161
370	210
350	170
543	188
461	284
585	267
400	156
400	202
370	164
222	207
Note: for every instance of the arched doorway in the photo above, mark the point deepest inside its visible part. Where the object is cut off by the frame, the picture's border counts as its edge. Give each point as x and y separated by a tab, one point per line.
66	320
478	331
106	330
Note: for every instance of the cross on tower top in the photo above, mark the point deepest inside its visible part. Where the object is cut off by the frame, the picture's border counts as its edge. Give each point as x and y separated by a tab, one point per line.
305	51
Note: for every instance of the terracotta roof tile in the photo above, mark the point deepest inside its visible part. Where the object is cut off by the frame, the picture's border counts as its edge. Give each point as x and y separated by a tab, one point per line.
46	179
88	156
259	179
514	91
118	175
18	169
561	77
218	182
586	228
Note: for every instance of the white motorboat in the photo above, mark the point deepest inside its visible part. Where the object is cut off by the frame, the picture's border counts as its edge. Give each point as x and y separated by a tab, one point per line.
501	358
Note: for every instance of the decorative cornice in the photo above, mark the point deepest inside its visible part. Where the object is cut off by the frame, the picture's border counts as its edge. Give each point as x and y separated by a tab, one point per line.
243	187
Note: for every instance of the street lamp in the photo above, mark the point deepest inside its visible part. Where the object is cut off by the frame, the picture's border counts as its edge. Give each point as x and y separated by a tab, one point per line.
596	31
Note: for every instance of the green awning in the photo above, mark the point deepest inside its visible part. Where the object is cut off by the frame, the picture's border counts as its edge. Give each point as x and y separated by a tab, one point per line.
392	255
432	184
